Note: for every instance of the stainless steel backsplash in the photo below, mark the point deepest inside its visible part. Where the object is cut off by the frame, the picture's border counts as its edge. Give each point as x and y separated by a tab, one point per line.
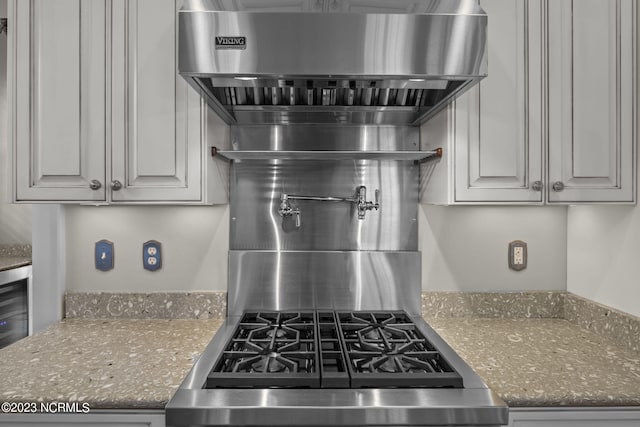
303	280
257	185
333	259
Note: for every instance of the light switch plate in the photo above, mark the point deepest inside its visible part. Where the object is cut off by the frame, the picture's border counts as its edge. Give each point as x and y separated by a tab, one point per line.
104	255
152	255
518	255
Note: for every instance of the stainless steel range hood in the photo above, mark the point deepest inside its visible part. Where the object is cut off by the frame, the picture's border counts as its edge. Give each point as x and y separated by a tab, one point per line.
374	65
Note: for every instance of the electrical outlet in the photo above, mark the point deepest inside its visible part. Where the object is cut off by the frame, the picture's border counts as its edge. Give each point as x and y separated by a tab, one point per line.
104	255
517	255
152	255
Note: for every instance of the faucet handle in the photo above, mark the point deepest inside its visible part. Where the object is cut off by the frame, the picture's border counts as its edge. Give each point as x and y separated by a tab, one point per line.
377	203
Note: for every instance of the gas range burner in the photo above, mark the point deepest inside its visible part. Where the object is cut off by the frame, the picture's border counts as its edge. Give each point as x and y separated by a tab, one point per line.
269	349
386	349
327	349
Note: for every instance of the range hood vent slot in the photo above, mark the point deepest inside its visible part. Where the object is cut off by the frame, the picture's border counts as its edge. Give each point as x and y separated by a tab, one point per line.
362	68
331	96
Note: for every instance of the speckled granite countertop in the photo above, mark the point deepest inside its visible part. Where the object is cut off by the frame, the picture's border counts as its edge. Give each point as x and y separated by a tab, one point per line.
14	256
139	363
114	363
7	263
545	362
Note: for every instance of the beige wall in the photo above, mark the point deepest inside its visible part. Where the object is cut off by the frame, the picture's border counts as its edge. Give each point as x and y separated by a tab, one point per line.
464	248
604	255
15	220
195	241
603	246
592	251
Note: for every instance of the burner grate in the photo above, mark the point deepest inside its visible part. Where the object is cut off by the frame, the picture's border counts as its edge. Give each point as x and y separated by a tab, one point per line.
386	349
270	349
328	349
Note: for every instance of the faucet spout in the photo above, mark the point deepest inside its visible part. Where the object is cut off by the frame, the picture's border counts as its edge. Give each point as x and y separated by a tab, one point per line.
360	200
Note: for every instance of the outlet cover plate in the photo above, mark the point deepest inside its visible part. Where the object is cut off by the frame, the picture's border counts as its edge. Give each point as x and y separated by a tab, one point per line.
152	255
104	255
512	252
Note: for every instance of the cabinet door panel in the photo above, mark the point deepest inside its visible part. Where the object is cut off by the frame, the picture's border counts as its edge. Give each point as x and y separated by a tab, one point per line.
58	99
156	115
498	124
592	100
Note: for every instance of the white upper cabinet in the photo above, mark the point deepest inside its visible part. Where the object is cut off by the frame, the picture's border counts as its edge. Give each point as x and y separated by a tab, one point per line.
498	126
57	99
100	112
592	100
493	134
554	120
156	139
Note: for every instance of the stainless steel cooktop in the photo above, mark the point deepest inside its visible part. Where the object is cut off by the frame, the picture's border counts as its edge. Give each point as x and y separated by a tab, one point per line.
328	349
474	404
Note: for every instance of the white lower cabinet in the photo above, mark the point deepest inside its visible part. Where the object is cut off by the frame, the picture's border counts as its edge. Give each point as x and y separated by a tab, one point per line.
99	112
574	417
555	121
98	418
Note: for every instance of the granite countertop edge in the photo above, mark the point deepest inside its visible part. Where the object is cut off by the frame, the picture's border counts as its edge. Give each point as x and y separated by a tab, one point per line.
9	263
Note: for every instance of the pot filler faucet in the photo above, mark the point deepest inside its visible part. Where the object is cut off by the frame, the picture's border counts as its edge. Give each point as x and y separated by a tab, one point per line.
360	199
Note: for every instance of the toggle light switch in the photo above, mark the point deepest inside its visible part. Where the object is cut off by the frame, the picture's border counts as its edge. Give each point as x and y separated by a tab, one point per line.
104	255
